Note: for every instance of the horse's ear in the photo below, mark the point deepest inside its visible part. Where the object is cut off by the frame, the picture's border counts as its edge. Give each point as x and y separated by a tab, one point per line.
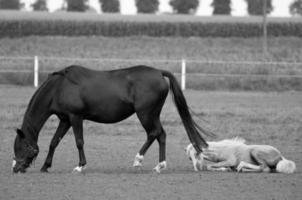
20	133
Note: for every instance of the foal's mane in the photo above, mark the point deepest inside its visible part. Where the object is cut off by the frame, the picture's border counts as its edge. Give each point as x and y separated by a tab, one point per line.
235	140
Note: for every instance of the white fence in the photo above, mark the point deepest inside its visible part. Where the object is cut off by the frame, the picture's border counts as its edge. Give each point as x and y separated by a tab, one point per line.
182	63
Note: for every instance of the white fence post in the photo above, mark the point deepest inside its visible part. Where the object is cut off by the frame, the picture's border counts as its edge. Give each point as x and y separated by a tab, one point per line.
36	71
183	74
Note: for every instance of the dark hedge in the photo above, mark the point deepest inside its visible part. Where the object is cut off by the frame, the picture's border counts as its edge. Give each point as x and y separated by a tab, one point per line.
20	28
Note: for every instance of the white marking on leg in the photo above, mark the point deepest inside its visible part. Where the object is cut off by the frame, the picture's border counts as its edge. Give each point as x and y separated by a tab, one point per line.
14	164
160	166
79	169
138	160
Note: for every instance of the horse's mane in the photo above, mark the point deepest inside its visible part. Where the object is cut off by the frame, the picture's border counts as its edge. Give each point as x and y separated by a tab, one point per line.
39	93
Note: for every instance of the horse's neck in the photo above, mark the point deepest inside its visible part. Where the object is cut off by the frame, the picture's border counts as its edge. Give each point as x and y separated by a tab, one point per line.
32	125
37	112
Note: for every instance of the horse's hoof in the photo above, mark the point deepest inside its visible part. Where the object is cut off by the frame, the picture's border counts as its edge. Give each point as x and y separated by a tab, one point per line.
160	166
44	170
138	167
155	170
78	169
138	160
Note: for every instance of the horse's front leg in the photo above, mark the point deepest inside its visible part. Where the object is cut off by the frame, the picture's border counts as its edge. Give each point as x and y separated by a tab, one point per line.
60	133
77	126
151	123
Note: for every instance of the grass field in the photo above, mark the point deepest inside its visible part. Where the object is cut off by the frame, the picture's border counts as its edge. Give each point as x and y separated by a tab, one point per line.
264	118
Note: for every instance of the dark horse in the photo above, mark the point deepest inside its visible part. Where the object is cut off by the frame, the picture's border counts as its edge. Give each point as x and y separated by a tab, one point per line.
75	94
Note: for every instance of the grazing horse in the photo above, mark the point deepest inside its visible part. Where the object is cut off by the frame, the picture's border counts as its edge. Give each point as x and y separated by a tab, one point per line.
235	154
76	93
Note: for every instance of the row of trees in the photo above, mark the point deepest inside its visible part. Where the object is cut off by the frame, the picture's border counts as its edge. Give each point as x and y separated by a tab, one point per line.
221	7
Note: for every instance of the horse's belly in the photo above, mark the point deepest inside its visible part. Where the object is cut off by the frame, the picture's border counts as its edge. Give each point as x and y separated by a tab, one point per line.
109	113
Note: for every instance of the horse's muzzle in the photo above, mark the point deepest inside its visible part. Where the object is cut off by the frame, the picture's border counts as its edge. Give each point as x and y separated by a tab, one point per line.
18	167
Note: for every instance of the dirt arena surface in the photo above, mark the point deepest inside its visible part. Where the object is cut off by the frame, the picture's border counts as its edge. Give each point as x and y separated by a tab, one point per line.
264	118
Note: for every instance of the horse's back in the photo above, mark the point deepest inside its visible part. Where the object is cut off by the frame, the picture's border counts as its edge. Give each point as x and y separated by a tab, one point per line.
144	74
115	94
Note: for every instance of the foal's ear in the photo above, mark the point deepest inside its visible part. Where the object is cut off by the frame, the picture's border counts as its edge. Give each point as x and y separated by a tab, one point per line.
20	133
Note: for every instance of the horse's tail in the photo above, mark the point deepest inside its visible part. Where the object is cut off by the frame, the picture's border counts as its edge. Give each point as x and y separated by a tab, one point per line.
190	125
286	166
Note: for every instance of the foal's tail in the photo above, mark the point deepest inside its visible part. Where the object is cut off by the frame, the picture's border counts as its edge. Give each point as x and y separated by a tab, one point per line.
286	166
190	125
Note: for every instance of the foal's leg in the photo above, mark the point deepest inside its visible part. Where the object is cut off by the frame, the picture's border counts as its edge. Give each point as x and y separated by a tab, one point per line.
197	160
263	158
248	167
220	169
77	126
60	132
221	166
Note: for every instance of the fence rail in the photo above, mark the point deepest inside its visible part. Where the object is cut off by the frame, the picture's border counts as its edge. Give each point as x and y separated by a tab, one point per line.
182	63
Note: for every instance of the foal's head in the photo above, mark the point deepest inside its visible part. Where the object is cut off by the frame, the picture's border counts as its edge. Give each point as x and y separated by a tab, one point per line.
26	150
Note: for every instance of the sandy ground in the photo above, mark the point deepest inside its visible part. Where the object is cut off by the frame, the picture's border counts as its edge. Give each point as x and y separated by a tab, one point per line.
273	118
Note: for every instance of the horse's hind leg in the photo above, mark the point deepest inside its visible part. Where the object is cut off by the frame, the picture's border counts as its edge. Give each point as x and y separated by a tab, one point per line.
153	127
60	132
161	138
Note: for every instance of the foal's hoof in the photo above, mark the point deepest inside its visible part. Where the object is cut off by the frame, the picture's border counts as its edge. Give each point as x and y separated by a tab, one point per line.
78	169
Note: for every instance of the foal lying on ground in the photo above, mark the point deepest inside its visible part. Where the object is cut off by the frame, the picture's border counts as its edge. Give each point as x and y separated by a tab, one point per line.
235	154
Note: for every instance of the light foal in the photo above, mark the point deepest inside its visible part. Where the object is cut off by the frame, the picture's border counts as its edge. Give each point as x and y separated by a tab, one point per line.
235	155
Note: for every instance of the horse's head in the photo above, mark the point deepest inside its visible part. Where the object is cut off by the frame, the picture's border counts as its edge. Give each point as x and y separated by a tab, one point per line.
25	150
